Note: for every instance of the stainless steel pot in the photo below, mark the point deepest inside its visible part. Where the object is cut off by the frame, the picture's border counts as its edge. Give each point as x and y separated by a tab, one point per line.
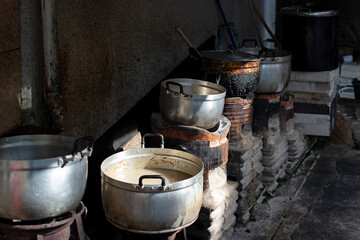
130	203
275	69
191	102
42	176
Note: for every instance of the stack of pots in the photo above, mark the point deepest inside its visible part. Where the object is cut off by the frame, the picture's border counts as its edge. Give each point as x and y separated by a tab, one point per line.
239	73
160	190
42	176
152	190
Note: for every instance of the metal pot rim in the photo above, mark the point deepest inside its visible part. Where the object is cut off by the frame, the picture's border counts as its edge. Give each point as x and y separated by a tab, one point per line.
152	152
43	162
198	83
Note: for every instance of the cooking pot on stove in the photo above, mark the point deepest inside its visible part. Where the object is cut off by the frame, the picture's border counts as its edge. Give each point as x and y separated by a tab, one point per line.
191	102
275	68
238	72
42	176
311	35
152	190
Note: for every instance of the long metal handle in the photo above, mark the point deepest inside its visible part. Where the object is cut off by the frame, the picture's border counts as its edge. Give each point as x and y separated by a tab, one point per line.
152	135
265	25
188	42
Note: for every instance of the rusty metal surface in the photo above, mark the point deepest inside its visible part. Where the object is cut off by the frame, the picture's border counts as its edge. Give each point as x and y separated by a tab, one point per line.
189	133
239	78
49	229
240	112
286	110
210	147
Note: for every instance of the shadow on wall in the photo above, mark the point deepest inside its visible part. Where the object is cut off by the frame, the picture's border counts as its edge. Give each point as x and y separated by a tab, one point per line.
137	119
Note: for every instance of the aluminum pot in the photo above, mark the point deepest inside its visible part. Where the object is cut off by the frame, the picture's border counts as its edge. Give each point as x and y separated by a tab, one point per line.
132	203
275	69
42	176
238	72
191	102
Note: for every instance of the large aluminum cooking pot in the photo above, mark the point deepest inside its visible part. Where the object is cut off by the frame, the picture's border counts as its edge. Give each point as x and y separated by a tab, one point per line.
42	176
275	69
191	102
238	72
152	190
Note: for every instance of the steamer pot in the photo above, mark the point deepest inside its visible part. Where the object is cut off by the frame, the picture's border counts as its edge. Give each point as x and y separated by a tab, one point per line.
191	102
42	176
130	203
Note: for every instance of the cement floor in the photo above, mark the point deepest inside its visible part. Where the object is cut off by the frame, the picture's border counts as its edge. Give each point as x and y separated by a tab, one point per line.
321	200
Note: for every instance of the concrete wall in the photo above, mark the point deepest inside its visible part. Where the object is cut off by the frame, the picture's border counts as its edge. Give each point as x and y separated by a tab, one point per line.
10	115
112	53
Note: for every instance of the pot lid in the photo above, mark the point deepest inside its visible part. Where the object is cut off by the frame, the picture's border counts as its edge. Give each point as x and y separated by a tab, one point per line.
265	52
229	55
308	12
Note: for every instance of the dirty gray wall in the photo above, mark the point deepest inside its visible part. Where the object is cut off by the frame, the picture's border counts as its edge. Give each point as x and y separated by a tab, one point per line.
112	53
10	115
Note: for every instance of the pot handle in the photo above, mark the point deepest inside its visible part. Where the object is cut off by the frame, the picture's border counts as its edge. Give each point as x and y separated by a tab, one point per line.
152	135
180	88
78	151
79	144
151	177
249	40
303	11
265	52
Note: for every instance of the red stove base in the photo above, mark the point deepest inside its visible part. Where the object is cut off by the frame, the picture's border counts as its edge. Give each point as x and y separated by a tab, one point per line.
68	226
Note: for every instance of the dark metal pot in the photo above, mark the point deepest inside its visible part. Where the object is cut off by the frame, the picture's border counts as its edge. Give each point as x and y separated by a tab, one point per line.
238	72
42	176
134	204
311	36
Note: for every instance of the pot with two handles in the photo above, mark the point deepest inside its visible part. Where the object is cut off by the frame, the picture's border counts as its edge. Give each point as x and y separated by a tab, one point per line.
275	68
42	176
191	102
152	190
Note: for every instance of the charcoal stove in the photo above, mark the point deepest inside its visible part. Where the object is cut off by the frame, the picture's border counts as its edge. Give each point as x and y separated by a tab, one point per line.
210	145
68	226
240	113
265	106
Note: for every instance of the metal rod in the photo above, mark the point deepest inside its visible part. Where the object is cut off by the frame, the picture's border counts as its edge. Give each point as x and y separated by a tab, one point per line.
256	25
265	25
188	41
226	23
